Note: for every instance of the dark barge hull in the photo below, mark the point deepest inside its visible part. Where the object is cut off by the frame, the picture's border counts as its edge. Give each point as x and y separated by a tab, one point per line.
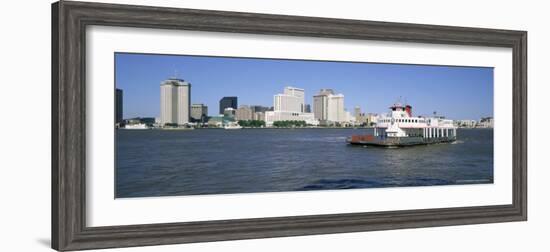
396	141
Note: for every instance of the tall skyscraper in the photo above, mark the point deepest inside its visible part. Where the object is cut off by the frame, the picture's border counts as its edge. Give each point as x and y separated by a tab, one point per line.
292	99
320	104
228	102
328	107
118	104
175	101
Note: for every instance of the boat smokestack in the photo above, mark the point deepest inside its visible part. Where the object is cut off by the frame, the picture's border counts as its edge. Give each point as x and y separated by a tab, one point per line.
408	109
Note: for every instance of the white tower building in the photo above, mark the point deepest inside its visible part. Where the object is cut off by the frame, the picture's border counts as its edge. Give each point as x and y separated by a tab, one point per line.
291	100
329	107
336	110
289	106
175	101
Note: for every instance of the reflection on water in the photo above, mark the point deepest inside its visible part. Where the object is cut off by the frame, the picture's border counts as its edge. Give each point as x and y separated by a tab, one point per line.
215	161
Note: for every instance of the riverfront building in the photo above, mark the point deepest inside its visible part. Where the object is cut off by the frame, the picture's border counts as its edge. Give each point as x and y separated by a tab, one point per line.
258	112
289	106
292	99
229	113
216	121
244	112
259	108
328	107
175	101
361	118
199	112
260	116
228	102
357	111
118	104
486	122
372	119
350	119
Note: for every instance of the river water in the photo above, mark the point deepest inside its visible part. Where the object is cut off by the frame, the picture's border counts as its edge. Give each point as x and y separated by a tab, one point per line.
217	161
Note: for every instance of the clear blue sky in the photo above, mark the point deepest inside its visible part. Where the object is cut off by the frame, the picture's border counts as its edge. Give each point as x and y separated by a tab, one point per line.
455	92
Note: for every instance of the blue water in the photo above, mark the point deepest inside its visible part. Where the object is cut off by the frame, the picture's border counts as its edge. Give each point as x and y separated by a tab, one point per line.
217	161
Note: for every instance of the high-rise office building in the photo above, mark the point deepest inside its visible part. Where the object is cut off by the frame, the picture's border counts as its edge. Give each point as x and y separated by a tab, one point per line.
289	106
118	106
328	107
320	104
292	99
175	101
228	102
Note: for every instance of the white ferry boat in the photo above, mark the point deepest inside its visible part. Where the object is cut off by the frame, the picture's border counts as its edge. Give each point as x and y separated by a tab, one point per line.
232	126
137	126
401	128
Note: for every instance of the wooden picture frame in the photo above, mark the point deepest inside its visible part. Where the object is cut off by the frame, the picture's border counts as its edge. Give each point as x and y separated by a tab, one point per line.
69	20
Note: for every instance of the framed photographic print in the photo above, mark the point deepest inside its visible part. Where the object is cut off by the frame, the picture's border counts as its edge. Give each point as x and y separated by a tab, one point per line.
178	125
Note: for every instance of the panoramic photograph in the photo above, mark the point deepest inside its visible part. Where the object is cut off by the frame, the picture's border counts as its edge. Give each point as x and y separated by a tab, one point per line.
202	125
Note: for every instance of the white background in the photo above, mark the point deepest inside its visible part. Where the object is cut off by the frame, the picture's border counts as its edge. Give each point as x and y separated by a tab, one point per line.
25	129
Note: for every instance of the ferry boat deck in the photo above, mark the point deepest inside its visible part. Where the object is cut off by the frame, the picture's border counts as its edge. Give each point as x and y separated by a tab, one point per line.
400	128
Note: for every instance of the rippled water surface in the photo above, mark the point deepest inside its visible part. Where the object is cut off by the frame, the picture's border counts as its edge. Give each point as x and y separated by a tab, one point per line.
217	161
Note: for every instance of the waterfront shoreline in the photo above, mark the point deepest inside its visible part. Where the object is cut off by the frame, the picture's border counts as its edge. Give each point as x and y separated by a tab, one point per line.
246	128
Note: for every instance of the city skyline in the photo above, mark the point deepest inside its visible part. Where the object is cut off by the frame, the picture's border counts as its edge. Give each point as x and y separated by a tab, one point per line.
455	92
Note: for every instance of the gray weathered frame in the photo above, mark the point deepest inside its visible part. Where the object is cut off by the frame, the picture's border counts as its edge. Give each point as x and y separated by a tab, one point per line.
69	20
